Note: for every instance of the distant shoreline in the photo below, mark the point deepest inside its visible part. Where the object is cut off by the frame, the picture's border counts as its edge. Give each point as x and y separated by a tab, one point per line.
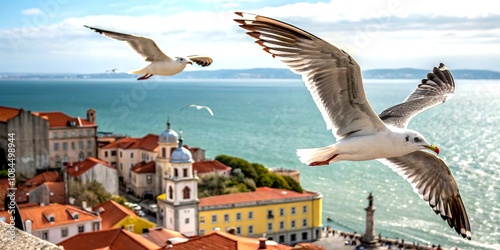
258	73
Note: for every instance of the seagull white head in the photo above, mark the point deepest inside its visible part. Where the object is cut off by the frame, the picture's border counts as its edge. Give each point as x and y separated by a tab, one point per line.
416	140
183	60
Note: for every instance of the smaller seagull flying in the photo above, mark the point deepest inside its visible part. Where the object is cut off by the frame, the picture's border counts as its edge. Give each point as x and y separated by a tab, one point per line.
160	64
198	107
112	70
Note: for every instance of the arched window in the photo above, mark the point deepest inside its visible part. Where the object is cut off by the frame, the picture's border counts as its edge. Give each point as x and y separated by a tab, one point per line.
163	152
176	173
186	193
170	193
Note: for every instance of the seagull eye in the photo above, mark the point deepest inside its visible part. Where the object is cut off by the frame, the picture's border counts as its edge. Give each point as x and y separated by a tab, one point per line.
416	139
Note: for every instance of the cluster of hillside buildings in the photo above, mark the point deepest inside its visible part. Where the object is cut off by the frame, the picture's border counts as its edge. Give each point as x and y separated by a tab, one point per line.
53	148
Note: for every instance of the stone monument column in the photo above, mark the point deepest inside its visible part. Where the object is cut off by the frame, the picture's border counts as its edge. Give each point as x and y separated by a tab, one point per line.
369	240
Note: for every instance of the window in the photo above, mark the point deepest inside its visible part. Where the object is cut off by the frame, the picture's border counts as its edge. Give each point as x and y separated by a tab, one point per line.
54	135
226	218
95	226
282	212
281	239
89	153
65	134
64	232
149	179
80	133
105	153
270	214
250	229
282	225
113	153
250	215
292	224
293	237
81	229
186	193
56	146
131	155
72	145
121	154
45	235
176	172
202	232
65	146
238	230
292	210
130	227
170	193
238	216
304	236
186	221
214	218
89	132
202	219
121	166
270	226
185	172
89	144
163	152
80	145
304	222
73	133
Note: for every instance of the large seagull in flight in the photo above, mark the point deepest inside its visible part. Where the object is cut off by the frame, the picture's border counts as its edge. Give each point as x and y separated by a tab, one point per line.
334	80
160	64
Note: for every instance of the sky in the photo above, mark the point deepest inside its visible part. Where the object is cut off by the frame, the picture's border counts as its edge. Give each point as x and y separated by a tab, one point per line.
47	36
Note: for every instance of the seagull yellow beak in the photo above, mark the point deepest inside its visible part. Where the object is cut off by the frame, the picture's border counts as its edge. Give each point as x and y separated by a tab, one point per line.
433	148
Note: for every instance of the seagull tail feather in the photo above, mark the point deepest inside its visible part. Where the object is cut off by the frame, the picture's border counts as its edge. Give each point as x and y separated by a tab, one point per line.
310	155
138	72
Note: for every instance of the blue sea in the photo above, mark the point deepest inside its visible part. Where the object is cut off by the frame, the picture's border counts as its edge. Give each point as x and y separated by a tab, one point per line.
265	121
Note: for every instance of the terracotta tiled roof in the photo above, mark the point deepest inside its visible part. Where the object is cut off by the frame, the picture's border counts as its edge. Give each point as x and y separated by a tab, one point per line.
202	167
81	167
60	119
224	241
7	113
160	235
58	192
260	194
108	239
30	184
62	214
113	213
144	167
148	142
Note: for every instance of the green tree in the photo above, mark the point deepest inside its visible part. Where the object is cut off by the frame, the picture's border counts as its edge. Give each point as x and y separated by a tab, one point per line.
294	185
119	199
212	184
91	192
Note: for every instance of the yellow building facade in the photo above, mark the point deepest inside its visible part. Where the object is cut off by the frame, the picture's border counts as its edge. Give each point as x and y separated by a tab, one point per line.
284	216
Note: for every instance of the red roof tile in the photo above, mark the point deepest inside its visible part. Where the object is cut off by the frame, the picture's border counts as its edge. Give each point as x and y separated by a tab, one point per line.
144	167
224	241
148	142
116	239
7	113
112	213
30	184
60	119
79	168
260	194
62	215
160	235
202	167
57	192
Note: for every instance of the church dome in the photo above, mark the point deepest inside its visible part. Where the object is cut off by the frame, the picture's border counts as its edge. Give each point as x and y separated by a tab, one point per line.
181	154
169	135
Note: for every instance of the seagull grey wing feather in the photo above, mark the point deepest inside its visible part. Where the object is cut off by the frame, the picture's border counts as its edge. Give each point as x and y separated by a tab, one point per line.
437	88
203	61
433	181
144	46
332	77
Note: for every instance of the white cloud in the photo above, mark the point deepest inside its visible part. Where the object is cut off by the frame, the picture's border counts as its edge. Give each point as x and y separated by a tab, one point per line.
405	34
33	11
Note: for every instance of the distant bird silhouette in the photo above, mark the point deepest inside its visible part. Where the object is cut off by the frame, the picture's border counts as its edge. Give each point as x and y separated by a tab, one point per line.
112	70
198	107
160	64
